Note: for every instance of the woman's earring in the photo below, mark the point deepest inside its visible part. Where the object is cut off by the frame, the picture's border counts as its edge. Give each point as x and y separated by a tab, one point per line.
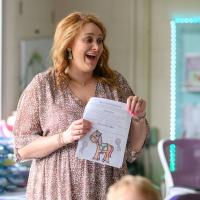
69	54
100	62
66	70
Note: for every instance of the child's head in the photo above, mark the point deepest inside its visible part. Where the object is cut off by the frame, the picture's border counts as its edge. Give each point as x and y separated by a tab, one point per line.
133	188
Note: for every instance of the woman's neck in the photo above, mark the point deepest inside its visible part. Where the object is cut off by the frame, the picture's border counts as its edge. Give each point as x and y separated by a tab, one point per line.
80	78
81	82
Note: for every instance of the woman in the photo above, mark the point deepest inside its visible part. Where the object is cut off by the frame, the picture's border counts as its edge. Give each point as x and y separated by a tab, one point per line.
49	121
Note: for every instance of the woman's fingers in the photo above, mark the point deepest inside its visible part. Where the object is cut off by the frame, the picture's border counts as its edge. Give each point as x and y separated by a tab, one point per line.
131	103
76	137
80	127
140	107
77	130
81	121
136	105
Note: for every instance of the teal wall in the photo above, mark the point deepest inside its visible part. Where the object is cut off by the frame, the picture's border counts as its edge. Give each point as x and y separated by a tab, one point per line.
187	41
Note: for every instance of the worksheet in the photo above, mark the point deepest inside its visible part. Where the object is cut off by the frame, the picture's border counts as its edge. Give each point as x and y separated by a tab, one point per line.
106	142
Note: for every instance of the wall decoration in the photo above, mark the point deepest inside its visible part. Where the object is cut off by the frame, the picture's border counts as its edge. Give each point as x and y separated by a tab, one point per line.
34	58
191	125
185	76
192	72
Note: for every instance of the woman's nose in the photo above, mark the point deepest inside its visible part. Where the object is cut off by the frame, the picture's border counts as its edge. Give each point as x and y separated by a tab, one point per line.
95	46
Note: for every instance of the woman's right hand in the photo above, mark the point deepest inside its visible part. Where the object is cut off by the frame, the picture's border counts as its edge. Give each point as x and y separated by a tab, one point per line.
76	130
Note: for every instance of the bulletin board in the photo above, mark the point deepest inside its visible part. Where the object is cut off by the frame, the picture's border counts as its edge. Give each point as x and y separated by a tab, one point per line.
185	78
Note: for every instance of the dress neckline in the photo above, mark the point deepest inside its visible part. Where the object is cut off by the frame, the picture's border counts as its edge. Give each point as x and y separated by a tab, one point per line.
80	101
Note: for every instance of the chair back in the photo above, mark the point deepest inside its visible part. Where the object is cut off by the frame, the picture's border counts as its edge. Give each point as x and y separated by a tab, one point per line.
180	159
187	197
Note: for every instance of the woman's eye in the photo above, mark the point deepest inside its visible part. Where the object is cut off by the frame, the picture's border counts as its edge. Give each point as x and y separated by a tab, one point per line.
100	41
89	40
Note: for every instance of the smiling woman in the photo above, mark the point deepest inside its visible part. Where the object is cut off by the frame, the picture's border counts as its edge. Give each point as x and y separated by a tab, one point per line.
50	120
87	48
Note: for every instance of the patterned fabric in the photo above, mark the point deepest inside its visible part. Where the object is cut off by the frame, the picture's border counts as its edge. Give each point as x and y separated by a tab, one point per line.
43	111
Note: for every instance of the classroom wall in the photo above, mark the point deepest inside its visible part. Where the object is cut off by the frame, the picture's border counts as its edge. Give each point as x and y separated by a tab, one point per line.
138	40
126	40
22	20
161	13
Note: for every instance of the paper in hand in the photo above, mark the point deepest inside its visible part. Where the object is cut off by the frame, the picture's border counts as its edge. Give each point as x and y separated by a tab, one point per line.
106	141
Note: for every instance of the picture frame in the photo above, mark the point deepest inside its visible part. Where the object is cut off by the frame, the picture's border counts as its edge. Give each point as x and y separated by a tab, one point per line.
35	58
192	72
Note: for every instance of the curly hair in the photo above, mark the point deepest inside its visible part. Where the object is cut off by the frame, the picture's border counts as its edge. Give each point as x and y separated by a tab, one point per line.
66	31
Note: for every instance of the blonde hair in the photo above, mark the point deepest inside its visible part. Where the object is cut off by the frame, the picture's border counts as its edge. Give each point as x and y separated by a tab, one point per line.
141	184
66	31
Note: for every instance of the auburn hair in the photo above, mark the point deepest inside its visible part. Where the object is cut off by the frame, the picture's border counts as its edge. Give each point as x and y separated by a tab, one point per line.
66	31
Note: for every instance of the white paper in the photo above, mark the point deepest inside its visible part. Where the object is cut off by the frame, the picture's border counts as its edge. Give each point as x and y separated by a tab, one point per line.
106	141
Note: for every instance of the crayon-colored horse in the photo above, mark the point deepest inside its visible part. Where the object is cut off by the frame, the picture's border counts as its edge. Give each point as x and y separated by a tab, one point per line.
101	148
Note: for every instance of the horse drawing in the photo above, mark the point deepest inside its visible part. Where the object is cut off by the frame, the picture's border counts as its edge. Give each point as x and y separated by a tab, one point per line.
101	148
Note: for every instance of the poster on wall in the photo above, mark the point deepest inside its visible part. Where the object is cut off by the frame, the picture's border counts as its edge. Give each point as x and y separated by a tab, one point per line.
34	58
192	72
191	116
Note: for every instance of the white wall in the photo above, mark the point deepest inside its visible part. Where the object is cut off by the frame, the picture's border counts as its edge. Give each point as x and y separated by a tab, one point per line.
21	22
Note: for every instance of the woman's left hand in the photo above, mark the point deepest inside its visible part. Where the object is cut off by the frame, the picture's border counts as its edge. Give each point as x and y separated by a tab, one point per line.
136	106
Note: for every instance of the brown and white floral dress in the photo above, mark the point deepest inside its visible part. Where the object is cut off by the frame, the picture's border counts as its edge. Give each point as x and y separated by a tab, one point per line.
43	110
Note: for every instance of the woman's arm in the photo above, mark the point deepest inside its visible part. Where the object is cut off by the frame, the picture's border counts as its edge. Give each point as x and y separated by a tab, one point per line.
43	146
136	106
139	126
138	134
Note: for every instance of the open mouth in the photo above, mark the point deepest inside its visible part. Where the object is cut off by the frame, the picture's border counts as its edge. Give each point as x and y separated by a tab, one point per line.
91	57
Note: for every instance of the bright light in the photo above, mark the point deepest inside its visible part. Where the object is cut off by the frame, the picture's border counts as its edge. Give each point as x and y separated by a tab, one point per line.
172	157
173	82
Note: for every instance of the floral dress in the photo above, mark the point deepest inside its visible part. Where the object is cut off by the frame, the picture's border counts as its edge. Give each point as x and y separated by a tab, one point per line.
44	110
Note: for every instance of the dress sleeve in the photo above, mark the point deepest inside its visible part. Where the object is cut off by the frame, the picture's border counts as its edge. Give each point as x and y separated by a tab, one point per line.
27	125
125	91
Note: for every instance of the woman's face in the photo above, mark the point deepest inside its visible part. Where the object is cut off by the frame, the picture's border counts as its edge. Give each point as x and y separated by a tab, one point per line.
87	48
